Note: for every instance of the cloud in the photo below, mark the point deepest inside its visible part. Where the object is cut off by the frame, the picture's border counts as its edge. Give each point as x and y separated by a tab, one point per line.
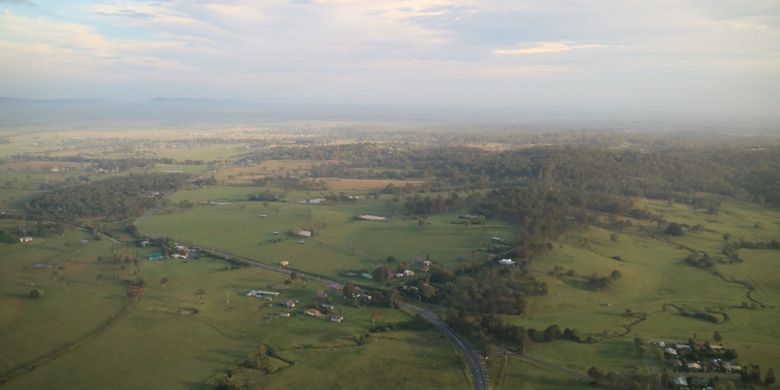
27	3
391	50
546	48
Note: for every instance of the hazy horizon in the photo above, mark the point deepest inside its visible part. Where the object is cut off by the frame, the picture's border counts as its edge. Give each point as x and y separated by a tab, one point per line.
676	59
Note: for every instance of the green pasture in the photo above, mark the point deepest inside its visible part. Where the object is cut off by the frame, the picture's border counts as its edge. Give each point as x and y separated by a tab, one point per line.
654	275
341	245
157	346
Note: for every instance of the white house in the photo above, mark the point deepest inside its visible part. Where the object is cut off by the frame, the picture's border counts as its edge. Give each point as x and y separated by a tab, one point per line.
506	262
25	239
367	217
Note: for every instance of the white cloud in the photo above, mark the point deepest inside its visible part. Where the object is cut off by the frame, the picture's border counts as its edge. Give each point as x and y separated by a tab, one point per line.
546	48
340	47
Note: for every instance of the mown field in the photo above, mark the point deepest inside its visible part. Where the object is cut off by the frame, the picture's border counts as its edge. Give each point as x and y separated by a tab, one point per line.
342	244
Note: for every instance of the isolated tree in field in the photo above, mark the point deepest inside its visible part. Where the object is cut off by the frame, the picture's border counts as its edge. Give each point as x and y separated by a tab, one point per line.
293	276
675	229
552	333
613	237
716	336
726	237
770	377
36	293
199	293
164	281
595	374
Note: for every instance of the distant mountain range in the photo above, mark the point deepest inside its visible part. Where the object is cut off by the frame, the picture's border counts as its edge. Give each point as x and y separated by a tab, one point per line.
175	111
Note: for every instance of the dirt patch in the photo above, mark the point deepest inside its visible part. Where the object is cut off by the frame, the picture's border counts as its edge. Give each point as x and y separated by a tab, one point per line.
188	311
245	175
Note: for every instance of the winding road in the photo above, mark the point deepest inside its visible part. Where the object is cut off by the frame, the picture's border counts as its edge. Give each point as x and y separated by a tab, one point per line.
471	355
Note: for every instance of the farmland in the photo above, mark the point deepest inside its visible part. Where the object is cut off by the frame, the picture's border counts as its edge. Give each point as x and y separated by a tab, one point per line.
198	327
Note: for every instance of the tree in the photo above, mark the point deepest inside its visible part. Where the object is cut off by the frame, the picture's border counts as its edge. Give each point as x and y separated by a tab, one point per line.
640	346
675	229
36	293
770	377
99	278
382	274
164	281
375	316
595	374
613	237
349	290
716	336
552	333
293	276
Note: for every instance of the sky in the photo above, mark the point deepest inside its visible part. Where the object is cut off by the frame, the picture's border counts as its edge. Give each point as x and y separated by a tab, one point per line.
684	56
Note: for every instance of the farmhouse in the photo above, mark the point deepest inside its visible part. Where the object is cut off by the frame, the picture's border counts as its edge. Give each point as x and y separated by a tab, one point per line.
259	293
288	304
506	262
303	233
312	201
313	313
680	382
284	263
682	347
732	367
25	239
408	273
367	217
284	314
671	351
337	318
694	366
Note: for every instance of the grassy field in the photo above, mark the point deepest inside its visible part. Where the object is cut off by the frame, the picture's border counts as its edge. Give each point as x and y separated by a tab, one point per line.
654	276
159	346
653	273
342	243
